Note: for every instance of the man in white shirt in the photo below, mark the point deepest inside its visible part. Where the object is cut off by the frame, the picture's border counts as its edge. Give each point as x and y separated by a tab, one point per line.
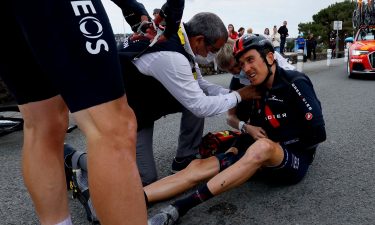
168	80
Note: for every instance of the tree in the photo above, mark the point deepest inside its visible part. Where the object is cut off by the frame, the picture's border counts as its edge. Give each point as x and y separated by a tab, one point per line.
322	24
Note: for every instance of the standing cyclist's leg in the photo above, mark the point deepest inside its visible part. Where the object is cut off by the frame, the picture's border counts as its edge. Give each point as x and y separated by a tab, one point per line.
104	116
45	124
114	182
45	121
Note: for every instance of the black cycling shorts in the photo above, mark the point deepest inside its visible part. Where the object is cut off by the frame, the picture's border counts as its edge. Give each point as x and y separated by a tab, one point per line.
59	47
291	170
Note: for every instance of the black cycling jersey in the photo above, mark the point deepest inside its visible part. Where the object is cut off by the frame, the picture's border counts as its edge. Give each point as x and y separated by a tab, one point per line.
290	111
132	12
291	114
173	11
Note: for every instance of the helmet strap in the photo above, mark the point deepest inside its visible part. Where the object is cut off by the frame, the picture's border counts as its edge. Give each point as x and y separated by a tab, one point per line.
269	67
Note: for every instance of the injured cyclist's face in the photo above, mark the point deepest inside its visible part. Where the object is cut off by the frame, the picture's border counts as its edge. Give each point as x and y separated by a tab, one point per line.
254	66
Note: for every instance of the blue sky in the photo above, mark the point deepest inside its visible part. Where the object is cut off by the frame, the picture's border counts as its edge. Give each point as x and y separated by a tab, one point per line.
241	13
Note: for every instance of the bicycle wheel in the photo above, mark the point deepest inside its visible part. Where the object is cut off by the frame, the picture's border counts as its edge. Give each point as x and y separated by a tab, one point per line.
10	119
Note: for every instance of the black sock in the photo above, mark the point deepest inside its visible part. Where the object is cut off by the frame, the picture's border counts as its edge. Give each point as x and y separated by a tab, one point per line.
202	194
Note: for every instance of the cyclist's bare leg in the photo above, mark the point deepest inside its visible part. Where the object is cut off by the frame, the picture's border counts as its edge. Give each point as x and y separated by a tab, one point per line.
197	171
45	124
263	152
114	181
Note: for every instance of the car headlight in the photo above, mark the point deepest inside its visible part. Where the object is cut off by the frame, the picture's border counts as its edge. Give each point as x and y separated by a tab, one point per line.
359	52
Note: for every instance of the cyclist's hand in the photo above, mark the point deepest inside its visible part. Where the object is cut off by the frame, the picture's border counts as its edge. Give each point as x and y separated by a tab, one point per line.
255	132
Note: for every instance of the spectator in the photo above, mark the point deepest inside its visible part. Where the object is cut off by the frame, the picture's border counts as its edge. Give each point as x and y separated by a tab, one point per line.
275	37
156	12
180	89
232	34
301	42
249	31
283	31
241	31
348	42
332	45
72	69
311	46
266	34
278	148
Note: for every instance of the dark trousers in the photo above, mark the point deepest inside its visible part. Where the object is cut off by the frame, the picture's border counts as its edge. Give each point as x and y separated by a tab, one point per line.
282	44
309	51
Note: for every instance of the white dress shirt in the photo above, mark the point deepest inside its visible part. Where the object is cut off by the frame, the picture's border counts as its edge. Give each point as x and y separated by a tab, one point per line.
174	71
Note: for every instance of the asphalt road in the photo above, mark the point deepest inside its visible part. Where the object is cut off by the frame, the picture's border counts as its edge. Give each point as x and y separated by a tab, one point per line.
338	189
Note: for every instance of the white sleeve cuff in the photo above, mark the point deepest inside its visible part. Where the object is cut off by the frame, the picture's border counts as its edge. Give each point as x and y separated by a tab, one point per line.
238	96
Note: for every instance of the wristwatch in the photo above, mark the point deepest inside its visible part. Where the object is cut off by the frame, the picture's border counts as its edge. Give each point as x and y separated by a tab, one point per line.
242	126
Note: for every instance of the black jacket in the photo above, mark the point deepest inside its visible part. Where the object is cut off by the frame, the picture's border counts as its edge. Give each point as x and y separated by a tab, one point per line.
283	31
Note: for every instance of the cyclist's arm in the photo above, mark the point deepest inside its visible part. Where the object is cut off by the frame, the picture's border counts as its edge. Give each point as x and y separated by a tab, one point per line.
173	9
133	11
310	112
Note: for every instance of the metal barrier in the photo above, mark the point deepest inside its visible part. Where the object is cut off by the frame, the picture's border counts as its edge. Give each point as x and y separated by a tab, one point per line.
329	56
300	60
346	51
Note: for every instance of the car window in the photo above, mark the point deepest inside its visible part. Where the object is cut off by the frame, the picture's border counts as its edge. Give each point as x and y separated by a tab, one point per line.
370	37
366	35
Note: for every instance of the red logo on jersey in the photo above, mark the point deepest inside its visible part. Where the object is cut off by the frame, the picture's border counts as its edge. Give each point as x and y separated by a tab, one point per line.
308	116
271	117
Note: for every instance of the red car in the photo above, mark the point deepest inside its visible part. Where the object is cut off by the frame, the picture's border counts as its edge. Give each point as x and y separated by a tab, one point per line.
361	53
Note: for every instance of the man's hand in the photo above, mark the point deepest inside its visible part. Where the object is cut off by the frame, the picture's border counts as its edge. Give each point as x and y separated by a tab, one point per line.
249	92
148	31
255	132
